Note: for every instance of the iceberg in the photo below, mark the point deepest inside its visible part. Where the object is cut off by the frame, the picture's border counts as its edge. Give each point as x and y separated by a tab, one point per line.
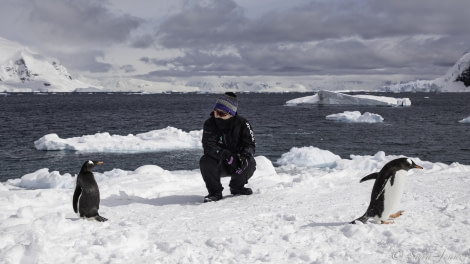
355	117
165	139
465	120
335	98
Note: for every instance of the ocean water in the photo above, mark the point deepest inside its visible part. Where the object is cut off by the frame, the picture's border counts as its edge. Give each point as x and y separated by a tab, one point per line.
429	129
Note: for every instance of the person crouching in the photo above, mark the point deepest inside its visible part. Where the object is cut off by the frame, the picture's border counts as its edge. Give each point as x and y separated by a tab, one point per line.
229	145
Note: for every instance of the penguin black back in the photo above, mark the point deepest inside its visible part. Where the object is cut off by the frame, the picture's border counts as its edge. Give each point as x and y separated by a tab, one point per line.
389	171
86	198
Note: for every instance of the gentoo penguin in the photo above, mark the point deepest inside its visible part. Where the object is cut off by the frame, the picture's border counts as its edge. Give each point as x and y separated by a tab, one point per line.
86	198
387	190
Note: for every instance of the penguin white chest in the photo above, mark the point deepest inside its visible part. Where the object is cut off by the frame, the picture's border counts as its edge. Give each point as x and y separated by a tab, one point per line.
393	193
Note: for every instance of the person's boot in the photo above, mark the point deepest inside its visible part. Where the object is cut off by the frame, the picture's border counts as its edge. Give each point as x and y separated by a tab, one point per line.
241	191
213	197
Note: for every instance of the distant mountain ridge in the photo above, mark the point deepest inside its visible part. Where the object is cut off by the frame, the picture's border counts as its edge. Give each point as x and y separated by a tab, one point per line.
457	79
22	70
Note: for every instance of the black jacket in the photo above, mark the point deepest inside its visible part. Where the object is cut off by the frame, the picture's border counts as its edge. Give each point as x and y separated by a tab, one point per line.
234	134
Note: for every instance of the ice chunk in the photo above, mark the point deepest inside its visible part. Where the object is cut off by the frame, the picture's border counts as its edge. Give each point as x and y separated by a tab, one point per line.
334	98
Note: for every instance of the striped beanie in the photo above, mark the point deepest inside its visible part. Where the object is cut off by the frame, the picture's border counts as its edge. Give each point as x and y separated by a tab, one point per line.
227	103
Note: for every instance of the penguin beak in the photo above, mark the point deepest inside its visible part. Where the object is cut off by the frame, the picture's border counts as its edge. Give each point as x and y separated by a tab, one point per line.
98	162
417	167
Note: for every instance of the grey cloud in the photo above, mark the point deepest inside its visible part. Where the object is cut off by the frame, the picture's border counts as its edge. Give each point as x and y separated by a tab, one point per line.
329	57
224	22
143	41
219	23
218	38
146	60
198	63
86	61
322	37
127	68
71	22
60	27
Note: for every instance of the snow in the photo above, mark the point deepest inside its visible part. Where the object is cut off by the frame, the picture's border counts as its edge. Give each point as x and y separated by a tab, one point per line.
299	213
308	157
336	98
168	138
355	117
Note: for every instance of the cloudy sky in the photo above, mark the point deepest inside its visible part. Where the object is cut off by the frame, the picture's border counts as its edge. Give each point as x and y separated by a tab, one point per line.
399	40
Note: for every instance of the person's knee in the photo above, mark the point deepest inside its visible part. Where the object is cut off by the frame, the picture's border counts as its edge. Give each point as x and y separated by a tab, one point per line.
251	166
209	167
202	160
207	161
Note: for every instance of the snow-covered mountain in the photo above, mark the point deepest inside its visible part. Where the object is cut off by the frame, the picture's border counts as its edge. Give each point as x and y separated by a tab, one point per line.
209	84
457	79
22	70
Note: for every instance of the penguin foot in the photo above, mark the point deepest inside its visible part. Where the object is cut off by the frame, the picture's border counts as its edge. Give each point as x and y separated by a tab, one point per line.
99	218
386	222
397	214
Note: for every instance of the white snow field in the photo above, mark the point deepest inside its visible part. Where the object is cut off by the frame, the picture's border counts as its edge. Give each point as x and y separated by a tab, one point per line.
299	213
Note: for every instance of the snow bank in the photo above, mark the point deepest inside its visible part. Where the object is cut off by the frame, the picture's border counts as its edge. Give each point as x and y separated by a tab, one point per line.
43	179
169	138
297	214
309	157
355	117
335	98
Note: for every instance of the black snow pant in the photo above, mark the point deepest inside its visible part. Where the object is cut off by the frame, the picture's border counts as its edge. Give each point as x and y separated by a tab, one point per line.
212	170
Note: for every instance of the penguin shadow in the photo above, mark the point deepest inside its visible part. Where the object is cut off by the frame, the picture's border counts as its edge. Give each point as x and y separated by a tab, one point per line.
124	199
73	218
316	224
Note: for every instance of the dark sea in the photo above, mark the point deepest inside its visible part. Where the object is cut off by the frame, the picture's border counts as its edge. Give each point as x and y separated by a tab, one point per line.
429	129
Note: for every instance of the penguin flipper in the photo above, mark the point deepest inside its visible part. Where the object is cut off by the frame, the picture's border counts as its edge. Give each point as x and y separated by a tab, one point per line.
390	176
76	195
370	177
382	189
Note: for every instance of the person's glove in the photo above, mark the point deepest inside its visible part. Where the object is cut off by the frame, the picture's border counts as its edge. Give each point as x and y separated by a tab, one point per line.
244	162
226	155
229	159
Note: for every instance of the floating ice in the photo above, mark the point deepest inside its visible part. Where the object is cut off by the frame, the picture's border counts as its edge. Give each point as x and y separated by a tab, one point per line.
465	120
169	138
356	117
335	98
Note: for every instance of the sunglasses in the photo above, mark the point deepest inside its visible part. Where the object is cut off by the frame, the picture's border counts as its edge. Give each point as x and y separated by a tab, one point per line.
220	113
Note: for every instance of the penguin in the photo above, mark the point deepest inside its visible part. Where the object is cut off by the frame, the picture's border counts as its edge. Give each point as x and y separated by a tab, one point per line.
387	190
86	198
